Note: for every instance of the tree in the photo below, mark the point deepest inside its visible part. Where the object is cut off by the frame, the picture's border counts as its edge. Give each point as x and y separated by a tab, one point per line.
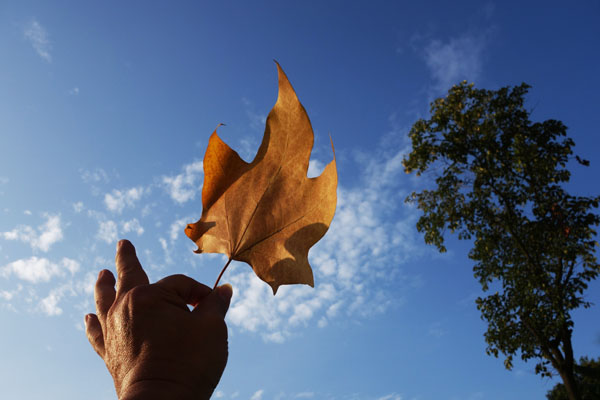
587	376
500	183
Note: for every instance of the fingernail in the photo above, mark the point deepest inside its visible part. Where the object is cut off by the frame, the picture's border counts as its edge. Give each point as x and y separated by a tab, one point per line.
225	292
86	319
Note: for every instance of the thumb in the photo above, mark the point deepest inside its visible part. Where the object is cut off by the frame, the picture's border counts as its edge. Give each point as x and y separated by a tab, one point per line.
217	302
225	292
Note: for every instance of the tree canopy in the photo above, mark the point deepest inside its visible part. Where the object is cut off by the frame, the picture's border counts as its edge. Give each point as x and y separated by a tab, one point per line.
500	182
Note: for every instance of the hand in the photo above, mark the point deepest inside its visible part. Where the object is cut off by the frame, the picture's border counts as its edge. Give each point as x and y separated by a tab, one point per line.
153	345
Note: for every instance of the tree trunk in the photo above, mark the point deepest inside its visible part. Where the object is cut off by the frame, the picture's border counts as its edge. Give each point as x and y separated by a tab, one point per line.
568	379
569	365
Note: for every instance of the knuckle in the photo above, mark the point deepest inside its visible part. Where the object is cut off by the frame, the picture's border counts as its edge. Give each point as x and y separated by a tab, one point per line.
102	308
175	278
140	296
97	338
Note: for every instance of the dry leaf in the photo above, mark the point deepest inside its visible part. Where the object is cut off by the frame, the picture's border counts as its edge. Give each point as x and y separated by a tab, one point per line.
267	213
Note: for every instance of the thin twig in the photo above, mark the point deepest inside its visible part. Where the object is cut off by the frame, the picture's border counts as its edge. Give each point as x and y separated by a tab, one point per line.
221	274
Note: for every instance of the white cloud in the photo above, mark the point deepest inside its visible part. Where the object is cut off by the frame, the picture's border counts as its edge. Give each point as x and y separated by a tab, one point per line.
391	396
183	187
356	264
95	176
8	295
476	396
49	305
257	120
74	91
4	180
51	233
71	265
119	199
436	329
458	59
107	231
41	238
247	148
132	226
36	270
305	395
86	284
38	38
177	228
218	394
315	167
78	207
257	395
166	249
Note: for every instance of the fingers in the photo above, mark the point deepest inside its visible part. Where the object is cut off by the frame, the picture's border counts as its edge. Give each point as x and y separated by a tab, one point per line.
93	330
188	289
104	293
217	302
129	270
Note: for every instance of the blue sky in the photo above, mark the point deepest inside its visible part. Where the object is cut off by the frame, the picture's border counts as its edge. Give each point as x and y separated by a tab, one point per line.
105	113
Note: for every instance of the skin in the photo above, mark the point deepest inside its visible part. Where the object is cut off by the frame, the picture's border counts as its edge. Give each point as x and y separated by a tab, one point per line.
153	345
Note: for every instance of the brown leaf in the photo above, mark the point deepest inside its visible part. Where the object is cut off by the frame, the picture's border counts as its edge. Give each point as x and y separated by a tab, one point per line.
267	213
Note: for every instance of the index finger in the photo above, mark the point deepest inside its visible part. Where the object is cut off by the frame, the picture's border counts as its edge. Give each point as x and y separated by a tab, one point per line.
188	289
129	270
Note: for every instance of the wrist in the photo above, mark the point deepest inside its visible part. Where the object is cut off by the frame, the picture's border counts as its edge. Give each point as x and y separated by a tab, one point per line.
161	389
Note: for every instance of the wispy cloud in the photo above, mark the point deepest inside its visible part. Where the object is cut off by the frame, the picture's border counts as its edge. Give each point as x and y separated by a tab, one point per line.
94	176
117	200
436	329
184	186
315	168
257	395
132	226
305	395
37	36
108	231
454	60
78	207
391	396
6	295
175	230
476	396
257	120
41	238
49	305
166	249
74	91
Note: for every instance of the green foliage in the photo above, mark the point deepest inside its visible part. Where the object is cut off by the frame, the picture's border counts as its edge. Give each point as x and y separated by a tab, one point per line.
587	375
499	182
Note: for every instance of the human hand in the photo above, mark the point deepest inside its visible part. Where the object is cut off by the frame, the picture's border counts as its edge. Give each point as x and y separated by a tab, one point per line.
153	345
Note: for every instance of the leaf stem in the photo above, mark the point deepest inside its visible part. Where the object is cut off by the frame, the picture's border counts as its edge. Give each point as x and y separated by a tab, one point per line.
221	274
